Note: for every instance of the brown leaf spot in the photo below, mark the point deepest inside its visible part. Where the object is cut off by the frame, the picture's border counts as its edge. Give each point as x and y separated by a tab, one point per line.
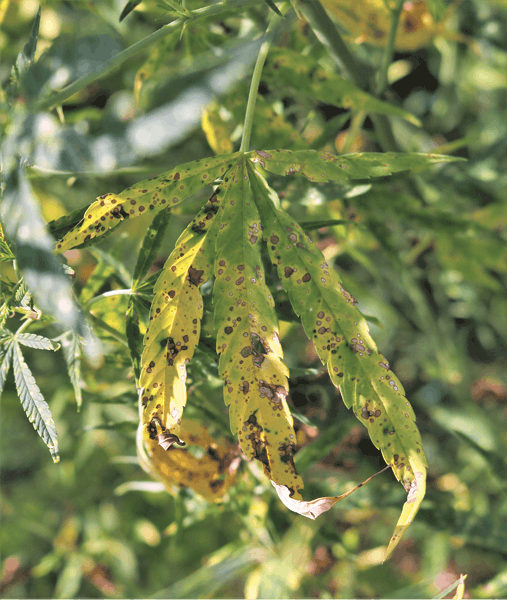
194	276
288	272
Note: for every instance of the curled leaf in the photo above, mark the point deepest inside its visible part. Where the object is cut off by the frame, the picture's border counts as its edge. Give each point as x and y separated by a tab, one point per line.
316	507
206	465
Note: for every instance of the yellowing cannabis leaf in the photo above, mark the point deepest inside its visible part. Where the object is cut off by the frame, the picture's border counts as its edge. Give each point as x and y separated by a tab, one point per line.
255	377
174	327
210	471
342	341
151	195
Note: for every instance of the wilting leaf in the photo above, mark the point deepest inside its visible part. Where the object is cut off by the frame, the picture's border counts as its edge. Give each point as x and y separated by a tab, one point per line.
316	507
343	343
255	378
174	326
36	408
207	465
161	192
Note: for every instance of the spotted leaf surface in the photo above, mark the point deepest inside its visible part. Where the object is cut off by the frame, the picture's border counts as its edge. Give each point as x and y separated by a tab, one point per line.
151	195
323	166
174	326
210	475
343	343
255	377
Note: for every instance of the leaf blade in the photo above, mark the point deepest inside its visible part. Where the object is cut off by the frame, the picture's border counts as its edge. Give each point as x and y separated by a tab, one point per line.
72	356
255	377
173	331
32	340
157	193
323	166
343	343
34	405
5	362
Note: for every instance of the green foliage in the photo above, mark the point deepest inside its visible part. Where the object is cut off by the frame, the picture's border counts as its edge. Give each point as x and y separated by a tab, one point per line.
213	272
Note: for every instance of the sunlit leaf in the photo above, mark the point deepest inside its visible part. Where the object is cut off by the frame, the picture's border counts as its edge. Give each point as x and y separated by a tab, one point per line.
161	192
206	464
343	343
255	377
174	326
36	408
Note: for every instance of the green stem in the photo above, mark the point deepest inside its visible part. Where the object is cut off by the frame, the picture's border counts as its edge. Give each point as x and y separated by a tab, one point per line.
256	78
119	59
387	57
24	326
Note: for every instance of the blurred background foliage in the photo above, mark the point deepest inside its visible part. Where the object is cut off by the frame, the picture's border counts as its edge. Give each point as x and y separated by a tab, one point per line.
425	255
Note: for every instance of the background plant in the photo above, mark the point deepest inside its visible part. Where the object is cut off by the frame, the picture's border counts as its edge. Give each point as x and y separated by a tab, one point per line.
424	255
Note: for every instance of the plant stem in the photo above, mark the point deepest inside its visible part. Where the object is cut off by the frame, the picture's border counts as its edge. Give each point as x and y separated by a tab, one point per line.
387	57
256	78
96	299
127	54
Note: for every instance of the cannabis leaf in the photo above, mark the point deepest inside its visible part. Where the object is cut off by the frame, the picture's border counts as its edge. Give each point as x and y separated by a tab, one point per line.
161	192
224	241
36	408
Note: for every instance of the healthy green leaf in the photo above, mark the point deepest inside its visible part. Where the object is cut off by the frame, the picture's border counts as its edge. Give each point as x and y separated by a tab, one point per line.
322	166
6	254
41	270
40	342
255	377
174	326
72	355
288	69
5	360
342	341
99	276
36	408
134	336
151	245
154	194
273	7
128	8
26	57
